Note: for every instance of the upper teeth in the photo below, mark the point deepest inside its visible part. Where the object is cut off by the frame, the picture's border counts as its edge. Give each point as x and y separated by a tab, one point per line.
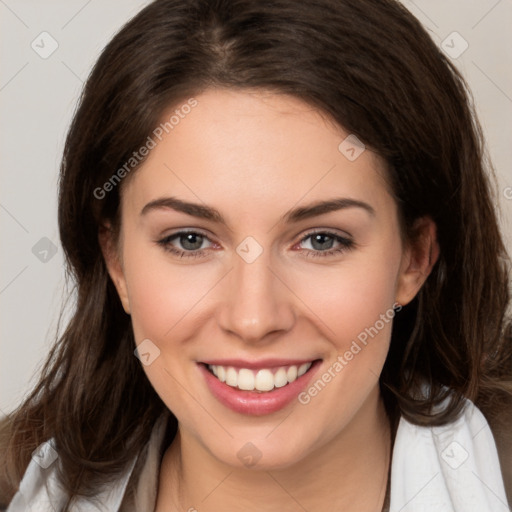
261	380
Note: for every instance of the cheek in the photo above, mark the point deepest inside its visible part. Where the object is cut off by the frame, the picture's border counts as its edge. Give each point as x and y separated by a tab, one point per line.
164	301
352	297
355	304
162	294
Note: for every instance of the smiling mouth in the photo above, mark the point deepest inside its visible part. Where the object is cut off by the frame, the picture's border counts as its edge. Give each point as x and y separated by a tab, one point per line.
263	380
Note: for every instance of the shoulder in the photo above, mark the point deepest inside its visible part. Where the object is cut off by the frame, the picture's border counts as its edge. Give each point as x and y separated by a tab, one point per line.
40	488
500	423
455	465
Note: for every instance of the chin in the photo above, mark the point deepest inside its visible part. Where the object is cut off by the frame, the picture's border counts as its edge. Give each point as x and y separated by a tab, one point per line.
263	454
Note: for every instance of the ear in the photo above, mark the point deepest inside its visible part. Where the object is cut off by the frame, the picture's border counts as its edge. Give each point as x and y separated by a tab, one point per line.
113	261
420	256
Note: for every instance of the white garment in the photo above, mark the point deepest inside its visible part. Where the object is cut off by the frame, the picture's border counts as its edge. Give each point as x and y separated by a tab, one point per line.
454	468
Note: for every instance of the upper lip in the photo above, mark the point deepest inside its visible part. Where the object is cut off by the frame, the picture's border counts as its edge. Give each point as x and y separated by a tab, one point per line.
263	363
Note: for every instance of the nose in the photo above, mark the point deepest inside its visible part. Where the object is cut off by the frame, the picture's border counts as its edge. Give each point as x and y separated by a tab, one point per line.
257	305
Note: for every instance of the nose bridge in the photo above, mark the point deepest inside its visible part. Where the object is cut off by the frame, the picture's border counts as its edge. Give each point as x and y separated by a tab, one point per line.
256	302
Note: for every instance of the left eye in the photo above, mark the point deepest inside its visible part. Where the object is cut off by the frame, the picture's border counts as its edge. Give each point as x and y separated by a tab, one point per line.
322	241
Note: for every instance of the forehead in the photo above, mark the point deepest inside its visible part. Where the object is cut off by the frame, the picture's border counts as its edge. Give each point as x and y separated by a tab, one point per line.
253	150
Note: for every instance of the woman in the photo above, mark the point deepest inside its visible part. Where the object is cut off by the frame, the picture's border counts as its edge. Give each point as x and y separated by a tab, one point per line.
289	275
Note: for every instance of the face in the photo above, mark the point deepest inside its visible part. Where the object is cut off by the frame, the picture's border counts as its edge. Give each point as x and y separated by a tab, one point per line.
228	265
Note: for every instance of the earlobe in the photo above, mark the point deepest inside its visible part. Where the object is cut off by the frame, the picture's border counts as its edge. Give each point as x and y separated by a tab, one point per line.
113	263
419	258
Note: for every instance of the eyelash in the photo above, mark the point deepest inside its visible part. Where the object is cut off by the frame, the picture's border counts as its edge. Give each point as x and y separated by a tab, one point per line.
346	244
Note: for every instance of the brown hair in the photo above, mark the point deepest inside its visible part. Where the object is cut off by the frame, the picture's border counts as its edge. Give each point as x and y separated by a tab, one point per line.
374	70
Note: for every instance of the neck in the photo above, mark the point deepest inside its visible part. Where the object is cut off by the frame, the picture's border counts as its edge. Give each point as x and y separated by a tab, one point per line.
348	473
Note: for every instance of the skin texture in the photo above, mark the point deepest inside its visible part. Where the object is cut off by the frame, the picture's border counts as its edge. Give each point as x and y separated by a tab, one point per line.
253	156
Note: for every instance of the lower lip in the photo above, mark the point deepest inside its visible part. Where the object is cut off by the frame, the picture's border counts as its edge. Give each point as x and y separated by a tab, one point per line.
255	403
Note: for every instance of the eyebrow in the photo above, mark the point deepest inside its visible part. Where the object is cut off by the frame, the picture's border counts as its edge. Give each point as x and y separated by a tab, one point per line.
301	213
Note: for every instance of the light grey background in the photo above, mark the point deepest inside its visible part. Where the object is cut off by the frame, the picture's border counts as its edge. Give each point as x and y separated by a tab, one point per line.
37	99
